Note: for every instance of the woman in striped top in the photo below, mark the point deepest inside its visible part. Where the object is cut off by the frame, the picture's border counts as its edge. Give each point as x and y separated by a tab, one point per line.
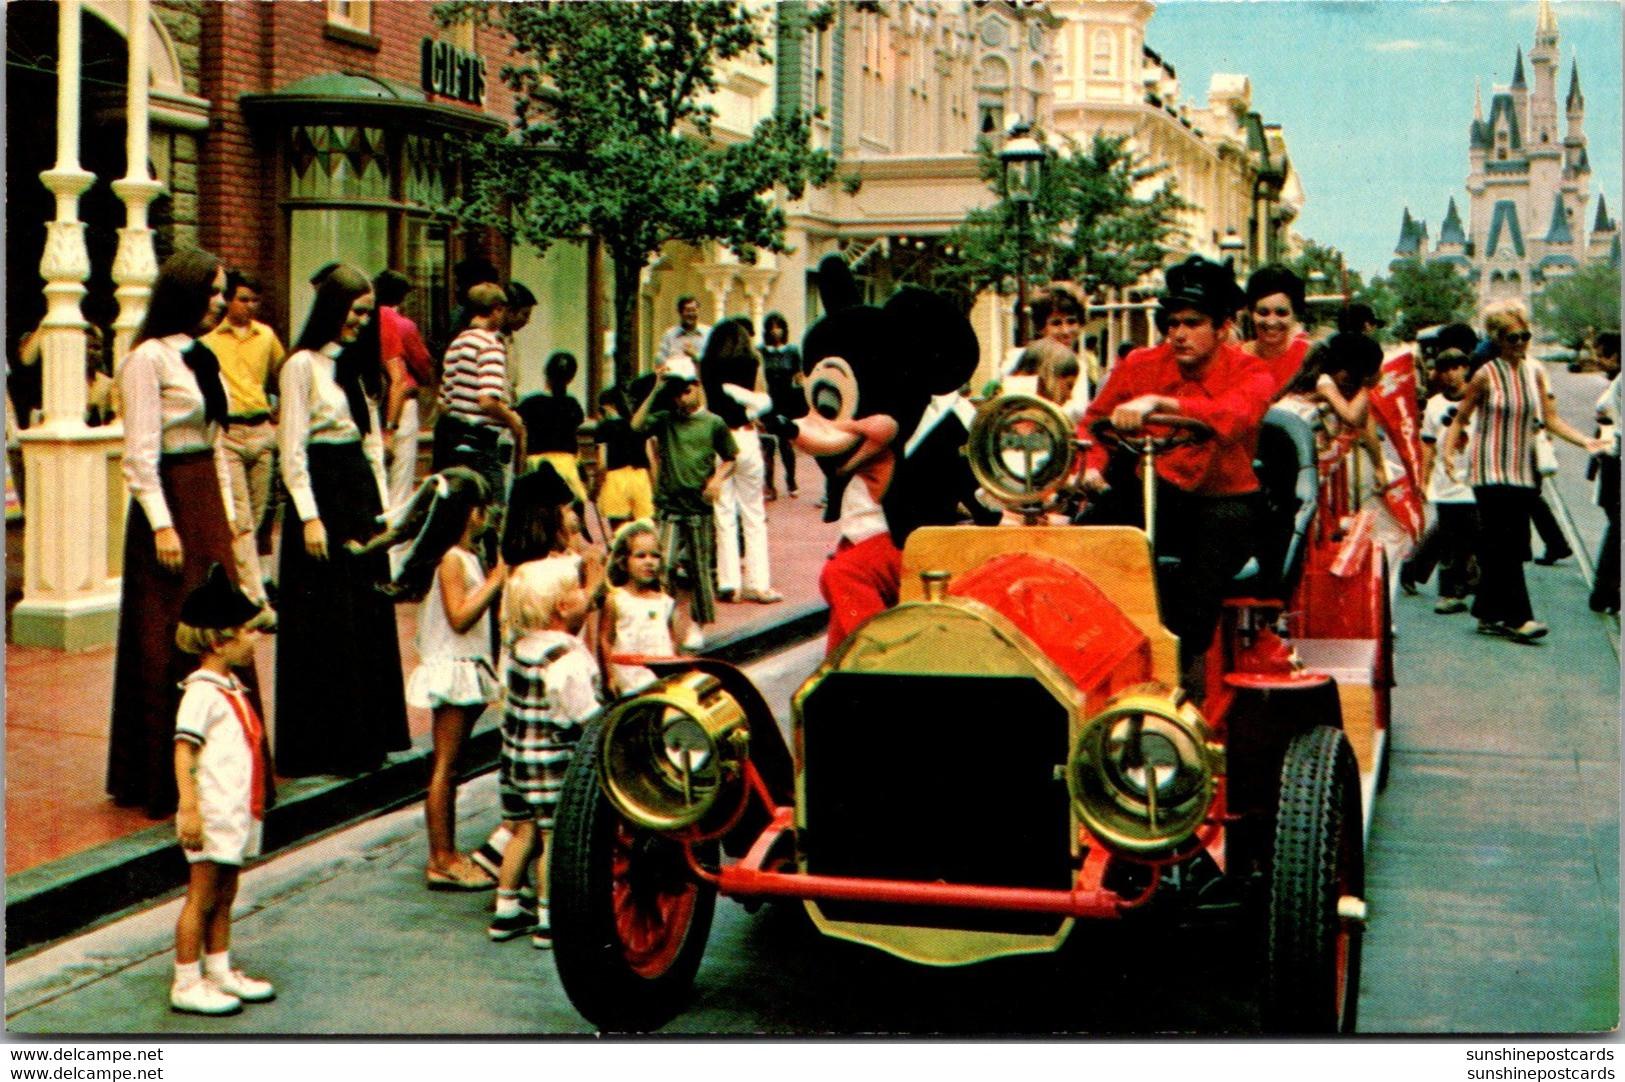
340	703
1511	398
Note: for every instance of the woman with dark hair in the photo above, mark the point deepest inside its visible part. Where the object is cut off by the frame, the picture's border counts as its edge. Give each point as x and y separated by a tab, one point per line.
782	362
174	407
1274	306
339	698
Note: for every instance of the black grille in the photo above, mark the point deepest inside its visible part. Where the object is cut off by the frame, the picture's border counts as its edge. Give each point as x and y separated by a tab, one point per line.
929	778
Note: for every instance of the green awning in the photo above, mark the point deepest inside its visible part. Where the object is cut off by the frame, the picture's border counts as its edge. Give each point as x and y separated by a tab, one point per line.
339	98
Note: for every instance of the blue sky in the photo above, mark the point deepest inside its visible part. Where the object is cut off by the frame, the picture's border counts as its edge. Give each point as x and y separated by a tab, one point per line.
1375	96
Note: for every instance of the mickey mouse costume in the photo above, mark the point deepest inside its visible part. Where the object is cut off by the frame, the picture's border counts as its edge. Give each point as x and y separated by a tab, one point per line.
888	428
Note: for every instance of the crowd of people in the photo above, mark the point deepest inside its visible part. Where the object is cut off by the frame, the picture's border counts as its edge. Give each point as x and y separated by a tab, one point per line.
519	606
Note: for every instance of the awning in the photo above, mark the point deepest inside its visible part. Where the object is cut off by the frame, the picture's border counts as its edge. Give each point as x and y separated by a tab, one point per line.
340	98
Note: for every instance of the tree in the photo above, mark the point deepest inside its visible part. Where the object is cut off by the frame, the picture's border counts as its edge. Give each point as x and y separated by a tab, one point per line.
1335	278
1418	294
1587	300
1086	223
613	138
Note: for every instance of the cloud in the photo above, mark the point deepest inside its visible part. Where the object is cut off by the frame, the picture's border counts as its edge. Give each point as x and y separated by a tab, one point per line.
1412	45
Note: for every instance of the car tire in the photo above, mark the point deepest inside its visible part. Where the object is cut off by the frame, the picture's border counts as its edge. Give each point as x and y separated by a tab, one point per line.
1312	980
630	920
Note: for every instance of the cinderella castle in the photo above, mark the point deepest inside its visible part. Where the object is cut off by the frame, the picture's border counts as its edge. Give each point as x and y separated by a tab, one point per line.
1529	188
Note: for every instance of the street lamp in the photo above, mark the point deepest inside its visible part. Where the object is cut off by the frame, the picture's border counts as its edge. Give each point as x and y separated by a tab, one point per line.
1022	163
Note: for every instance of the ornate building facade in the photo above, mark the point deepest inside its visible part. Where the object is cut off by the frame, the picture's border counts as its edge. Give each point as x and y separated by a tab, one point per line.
1528	185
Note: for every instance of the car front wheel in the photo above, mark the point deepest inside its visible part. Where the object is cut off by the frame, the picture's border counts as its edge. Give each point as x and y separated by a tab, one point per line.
1317	889
630	921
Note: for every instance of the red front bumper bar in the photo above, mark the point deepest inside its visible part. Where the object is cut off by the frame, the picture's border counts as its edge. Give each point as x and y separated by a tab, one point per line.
747	879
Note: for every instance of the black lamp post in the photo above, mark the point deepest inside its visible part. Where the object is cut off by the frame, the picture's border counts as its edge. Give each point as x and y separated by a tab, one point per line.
1022	162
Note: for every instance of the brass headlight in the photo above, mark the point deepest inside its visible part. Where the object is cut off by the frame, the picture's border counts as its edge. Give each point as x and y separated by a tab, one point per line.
1140	775
670	751
1020	449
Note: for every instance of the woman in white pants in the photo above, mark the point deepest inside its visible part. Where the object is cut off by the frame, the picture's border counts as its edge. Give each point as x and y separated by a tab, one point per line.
731	374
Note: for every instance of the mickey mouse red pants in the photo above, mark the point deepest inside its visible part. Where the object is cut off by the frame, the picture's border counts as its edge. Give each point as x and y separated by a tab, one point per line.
859	581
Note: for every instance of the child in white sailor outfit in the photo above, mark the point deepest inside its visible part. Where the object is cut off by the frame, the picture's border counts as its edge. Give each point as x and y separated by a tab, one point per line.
220	771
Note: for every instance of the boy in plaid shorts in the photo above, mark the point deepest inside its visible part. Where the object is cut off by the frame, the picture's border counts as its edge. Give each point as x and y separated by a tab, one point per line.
553	687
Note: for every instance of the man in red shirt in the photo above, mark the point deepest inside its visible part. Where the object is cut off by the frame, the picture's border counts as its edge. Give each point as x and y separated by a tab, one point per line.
1206	491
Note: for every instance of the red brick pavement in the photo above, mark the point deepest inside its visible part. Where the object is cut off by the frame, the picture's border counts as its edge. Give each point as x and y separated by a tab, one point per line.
57	707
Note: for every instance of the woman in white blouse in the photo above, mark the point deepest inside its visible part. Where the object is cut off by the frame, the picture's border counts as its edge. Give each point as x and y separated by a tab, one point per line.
340	703
174	407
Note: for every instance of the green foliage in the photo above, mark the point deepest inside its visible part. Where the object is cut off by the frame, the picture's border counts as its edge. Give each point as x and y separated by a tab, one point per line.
614	137
1086	223
1336	278
1587	300
1418	294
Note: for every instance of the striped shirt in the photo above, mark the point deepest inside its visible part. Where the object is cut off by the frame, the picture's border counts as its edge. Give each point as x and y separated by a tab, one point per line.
476	367
1503	445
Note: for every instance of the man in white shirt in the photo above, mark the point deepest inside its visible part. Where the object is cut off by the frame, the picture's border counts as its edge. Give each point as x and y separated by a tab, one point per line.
687	337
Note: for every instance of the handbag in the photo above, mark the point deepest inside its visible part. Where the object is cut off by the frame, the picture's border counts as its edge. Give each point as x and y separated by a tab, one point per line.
1545	454
1542	447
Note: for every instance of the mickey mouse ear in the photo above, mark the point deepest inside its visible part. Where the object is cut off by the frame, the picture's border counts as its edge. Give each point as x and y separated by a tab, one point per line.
932	338
837	289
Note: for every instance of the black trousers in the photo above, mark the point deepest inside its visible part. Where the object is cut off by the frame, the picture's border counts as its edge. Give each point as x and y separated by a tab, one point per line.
1201	543
1448	545
770	444
1504	513
1605	588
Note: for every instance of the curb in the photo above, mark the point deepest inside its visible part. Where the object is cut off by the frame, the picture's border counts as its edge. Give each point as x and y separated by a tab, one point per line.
66	896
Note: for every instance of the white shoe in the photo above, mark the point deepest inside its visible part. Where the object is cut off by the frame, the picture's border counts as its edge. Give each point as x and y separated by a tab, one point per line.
541	936
246	988
203	997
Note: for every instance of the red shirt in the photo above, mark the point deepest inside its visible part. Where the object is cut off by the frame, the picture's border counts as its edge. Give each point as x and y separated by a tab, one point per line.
405	357
1231	393
1288	364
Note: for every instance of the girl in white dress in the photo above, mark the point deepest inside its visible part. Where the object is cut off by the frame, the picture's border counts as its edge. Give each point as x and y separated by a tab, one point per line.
455	676
637	617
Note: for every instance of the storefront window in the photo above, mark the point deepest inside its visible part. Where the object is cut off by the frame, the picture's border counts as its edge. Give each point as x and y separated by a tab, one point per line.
317	237
338	162
427	242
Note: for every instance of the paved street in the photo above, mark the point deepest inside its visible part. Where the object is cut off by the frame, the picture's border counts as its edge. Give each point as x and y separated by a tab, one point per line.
1493	869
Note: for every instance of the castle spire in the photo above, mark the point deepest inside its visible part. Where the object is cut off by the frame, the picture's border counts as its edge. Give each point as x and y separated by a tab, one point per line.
1478	99
1546	22
1603	224
1576	100
1518	82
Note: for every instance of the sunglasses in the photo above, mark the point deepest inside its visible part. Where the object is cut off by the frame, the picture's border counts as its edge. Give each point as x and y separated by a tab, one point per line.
1514	336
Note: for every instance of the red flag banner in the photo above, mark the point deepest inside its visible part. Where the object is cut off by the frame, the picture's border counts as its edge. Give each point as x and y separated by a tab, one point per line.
1393	400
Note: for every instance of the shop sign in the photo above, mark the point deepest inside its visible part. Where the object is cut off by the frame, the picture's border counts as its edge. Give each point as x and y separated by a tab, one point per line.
452	73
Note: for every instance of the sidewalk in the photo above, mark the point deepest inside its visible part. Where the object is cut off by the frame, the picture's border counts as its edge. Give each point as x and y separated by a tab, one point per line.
57	724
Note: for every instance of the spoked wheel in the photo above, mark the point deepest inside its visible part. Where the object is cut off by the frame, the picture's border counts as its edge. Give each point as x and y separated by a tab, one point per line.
629	920
1317	890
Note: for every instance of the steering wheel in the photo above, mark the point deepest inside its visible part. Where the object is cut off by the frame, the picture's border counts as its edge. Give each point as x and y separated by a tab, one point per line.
1186	430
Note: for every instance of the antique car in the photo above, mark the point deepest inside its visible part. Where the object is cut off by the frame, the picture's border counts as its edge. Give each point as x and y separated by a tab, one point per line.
1033	657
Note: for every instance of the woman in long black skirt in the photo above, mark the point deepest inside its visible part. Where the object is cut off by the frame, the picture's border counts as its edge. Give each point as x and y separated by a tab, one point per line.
340	703
174	406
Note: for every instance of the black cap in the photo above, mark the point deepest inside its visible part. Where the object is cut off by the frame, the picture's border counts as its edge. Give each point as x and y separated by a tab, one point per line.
1204	285
1352	320
217	603
541	487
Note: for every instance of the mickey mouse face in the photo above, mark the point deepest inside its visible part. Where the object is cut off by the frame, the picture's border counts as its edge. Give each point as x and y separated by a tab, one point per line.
832	389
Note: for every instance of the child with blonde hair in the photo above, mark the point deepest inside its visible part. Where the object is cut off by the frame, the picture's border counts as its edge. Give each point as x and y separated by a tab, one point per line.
552	685
220	772
638	617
